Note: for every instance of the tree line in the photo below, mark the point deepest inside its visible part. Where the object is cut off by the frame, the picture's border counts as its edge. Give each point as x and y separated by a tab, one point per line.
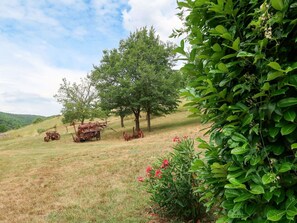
137	77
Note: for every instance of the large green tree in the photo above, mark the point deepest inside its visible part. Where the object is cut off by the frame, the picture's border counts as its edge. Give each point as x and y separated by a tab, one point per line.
138	76
243	62
79	100
111	85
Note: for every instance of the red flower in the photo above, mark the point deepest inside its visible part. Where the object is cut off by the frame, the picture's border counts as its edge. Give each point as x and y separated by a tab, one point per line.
158	173
165	164
176	139
148	170
140	179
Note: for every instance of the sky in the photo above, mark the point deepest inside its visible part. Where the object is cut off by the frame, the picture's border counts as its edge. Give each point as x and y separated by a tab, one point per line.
44	41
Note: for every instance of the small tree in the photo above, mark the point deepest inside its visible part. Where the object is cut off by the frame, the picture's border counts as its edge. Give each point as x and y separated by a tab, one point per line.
79	101
243	62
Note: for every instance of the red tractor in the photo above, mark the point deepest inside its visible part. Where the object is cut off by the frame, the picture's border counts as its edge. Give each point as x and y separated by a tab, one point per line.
135	135
88	131
51	135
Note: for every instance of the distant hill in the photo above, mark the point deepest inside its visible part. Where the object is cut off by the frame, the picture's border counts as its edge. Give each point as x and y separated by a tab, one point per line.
13	121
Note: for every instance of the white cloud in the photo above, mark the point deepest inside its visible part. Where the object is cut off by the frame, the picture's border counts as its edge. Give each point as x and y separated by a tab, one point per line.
108	15
161	14
28	83
28	11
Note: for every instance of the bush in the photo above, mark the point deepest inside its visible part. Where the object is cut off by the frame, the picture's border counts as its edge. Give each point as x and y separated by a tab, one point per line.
40	131
243	64
171	184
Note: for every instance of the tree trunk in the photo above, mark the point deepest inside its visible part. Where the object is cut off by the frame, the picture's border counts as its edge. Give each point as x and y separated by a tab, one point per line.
122	121
148	117
137	115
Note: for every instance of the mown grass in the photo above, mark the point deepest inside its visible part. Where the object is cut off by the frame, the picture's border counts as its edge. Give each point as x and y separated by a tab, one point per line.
63	181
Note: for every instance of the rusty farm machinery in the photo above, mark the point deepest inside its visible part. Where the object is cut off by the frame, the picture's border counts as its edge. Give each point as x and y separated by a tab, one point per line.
51	135
135	135
88	131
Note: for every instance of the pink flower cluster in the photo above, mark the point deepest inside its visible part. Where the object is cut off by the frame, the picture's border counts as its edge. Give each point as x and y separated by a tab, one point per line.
176	139
157	173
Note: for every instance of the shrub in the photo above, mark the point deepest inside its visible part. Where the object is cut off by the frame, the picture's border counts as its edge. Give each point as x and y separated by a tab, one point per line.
243	65
171	184
40	131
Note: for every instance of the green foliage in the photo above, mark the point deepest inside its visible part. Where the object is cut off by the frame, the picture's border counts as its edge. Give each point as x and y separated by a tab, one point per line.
40	130
138	76
13	121
171	184
38	120
79	101
244	69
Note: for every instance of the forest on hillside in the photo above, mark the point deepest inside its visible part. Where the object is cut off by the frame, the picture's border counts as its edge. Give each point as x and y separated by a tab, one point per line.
13	121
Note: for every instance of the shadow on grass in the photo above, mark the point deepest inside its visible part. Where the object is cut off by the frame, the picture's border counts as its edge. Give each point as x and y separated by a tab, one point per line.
179	123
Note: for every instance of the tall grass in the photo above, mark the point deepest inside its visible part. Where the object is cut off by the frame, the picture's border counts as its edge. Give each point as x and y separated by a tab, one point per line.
63	181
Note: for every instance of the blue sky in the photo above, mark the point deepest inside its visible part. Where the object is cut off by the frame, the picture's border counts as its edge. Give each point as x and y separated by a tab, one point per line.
43	41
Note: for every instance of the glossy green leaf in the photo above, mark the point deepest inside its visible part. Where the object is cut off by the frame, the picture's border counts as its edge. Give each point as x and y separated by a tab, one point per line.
268	195
255	161
245	54
287	102
235	44
232	118
216	47
288	129
277	4
221	29
228	56
223	219
273	131
290	116
222	67
243	197
275	215
285	167
227	36
273	75
294	146
247	119
292	211
268	178
197	164
239	150
277	149
257	189
265	87
238	137
275	65
234	181
260	94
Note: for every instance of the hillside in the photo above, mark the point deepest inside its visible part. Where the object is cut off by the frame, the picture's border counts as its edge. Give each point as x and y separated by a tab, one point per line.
63	181
14	121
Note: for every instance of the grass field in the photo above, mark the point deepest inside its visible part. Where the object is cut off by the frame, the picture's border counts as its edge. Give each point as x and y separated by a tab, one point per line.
63	181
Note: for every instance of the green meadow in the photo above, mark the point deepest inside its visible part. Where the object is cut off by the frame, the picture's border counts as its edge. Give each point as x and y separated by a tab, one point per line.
95	181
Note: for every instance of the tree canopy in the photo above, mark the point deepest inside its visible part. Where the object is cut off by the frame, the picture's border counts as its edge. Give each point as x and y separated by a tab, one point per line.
79	100
138	76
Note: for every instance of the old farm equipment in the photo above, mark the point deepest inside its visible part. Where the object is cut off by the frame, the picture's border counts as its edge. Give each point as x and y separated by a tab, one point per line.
135	135
51	135
88	131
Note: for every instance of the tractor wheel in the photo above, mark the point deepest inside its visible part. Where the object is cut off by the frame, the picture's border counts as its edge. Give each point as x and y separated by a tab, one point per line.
46	139
58	136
